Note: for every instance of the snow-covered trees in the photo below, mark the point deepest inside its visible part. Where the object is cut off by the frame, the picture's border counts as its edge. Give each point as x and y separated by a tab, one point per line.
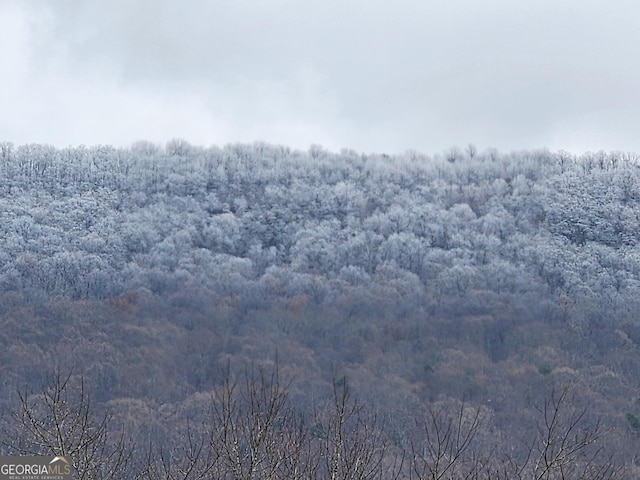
103	214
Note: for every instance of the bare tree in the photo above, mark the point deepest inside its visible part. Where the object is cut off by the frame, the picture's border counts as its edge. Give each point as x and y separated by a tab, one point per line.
471	151
60	421
255	430
453	155
191	457
352	442
250	432
444	449
566	446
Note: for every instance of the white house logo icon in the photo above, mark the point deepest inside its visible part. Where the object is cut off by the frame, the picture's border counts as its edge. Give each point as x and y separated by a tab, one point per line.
58	459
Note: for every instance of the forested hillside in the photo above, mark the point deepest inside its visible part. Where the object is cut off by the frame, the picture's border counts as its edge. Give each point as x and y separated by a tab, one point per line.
482	277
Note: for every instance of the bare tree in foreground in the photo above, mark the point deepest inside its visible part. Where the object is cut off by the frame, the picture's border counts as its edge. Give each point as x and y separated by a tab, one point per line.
60	421
351	441
444	448
255	430
567	446
192	458
252	432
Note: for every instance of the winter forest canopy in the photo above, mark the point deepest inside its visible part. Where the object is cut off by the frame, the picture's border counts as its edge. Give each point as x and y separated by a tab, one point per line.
482	277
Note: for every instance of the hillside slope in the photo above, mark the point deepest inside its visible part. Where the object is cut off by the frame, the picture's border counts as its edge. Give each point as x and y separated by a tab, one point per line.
490	278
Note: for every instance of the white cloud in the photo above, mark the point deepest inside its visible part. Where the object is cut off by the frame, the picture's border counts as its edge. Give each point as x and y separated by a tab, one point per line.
370	75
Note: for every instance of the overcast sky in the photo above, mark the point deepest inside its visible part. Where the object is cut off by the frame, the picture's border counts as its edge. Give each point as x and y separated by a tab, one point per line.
371	75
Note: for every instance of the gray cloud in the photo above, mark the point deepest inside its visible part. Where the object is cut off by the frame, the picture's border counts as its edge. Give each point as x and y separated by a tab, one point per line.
370	75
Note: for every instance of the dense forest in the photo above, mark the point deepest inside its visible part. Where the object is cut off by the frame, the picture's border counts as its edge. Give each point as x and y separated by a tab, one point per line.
373	304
